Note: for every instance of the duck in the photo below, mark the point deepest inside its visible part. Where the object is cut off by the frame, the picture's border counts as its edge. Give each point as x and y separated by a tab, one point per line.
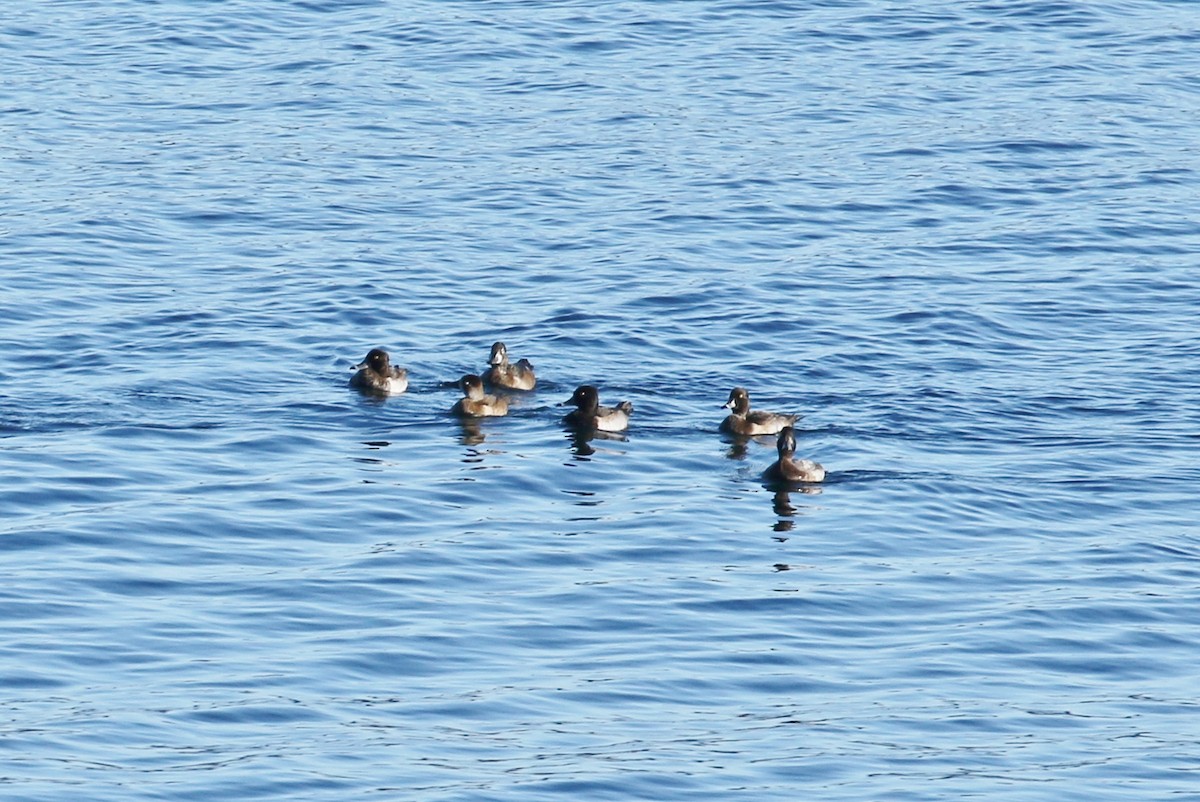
742	421
476	404
376	374
789	469
503	373
588	413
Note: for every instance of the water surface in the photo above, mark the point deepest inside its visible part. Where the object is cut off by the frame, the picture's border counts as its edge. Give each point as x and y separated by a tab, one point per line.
957	238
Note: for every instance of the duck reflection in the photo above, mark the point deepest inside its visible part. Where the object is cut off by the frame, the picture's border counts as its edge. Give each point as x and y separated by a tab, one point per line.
581	445
739	444
581	440
787	512
471	432
782	504
372	445
737	447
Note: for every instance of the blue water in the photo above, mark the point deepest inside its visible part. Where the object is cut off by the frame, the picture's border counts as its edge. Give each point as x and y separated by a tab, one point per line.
959	237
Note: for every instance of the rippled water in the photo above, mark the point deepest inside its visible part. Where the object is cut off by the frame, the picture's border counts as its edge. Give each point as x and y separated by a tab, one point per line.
958	237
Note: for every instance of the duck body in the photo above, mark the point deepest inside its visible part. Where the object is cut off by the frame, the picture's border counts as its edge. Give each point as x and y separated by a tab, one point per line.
376	374
588	414
502	373
477	404
789	469
744	421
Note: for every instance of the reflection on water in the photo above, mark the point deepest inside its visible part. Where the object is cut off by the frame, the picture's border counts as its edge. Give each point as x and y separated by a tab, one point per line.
737	447
781	503
472	432
739	444
372	445
581	441
476	610
473	456
586	498
581	445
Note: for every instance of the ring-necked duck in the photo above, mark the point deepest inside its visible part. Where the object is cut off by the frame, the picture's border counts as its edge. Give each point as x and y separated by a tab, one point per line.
477	404
590	415
503	373
789	469
742	421
376	374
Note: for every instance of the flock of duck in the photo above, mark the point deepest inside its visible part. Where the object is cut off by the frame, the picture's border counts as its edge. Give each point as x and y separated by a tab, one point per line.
377	375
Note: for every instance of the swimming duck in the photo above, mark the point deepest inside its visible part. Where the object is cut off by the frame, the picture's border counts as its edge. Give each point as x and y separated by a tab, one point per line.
742	421
590	415
376	374
789	469
476	404
503	373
